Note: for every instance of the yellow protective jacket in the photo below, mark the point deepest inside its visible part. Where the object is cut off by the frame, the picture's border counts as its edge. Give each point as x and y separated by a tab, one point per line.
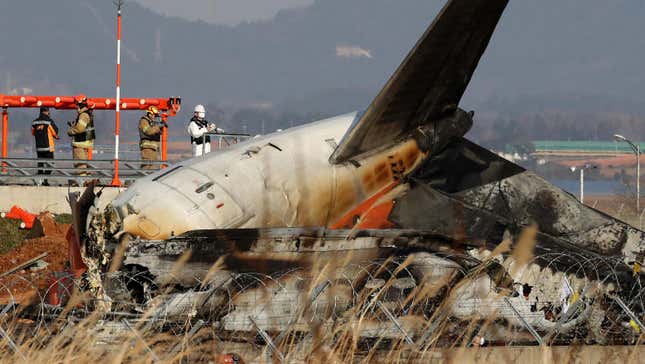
82	130
149	133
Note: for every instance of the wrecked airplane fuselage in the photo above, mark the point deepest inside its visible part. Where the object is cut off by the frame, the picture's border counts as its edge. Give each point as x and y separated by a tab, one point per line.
280	180
406	212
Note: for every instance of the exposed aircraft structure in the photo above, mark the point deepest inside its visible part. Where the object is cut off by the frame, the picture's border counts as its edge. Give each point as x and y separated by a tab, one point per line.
398	185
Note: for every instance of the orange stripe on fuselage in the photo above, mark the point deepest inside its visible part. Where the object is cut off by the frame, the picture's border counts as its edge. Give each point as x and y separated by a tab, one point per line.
369	214
381	175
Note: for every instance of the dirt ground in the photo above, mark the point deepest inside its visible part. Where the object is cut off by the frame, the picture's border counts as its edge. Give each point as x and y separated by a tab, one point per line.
24	283
608	167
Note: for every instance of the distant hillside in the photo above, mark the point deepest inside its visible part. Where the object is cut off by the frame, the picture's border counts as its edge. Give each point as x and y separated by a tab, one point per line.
328	58
72	49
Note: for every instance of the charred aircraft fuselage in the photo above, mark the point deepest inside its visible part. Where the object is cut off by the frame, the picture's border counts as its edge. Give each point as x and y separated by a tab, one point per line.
403	164
279	180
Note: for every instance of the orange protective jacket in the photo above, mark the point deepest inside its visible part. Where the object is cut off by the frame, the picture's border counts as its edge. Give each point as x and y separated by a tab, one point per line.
45	131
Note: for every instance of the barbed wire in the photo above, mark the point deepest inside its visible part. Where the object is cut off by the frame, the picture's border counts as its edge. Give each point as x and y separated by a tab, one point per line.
395	299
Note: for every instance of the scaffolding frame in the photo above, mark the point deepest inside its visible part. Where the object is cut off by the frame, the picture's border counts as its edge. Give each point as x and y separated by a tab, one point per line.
168	107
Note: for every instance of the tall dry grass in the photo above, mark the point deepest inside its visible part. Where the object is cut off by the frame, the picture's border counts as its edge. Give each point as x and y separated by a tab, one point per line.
327	326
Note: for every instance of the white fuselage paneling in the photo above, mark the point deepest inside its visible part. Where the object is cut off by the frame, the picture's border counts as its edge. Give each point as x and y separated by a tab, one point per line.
278	180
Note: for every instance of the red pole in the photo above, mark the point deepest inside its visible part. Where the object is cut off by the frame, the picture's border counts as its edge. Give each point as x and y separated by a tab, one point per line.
5	132
5	136
117	122
164	138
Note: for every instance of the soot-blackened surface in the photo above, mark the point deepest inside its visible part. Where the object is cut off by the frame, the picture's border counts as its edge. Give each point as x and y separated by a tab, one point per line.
463	165
467	192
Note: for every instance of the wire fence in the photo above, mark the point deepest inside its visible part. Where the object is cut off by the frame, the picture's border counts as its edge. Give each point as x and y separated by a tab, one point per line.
421	300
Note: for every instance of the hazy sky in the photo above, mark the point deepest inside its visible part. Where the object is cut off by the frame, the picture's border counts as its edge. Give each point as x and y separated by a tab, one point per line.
222	11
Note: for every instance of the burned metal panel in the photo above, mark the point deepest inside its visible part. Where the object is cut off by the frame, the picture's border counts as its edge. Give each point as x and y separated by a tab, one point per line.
431	80
479	195
527	198
462	165
431	202
426	208
80	205
271	249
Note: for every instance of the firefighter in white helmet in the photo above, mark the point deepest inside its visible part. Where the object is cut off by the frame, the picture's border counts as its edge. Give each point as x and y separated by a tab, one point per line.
198	129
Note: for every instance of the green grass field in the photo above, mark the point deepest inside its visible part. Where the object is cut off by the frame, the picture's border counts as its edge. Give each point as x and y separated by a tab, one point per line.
11	235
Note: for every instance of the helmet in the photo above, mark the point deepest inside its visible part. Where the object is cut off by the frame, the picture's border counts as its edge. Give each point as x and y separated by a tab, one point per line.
80	99
200	111
153	110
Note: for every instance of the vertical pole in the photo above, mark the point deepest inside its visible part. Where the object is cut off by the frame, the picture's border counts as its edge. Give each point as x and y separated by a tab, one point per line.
117	121
5	132
5	136
164	139
638	178
582	185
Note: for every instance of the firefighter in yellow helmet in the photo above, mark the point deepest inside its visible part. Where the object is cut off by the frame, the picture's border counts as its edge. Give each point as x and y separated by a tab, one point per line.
150	136
82	132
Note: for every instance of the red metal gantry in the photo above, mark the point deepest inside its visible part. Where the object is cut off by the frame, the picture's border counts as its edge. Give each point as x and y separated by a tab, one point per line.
167	106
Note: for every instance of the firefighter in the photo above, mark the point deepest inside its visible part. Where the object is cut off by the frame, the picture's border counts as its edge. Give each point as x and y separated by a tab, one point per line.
44	130
150	136
82	132
198	127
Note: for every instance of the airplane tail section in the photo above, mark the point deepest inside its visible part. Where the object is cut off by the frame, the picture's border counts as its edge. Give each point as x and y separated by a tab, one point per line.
430	82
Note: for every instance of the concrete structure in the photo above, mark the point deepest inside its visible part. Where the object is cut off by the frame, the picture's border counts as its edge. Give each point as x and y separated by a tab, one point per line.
53	199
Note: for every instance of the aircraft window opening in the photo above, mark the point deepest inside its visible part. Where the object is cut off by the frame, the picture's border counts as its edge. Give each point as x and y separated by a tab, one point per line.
204	187
166	173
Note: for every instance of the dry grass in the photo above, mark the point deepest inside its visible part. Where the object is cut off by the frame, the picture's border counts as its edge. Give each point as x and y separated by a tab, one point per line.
330	335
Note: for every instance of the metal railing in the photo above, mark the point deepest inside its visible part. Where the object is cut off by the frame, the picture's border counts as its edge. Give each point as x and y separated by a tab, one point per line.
227	139
62	172
223	140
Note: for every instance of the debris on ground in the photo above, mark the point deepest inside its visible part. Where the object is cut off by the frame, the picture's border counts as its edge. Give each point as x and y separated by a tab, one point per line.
25	282
27	264
16	213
